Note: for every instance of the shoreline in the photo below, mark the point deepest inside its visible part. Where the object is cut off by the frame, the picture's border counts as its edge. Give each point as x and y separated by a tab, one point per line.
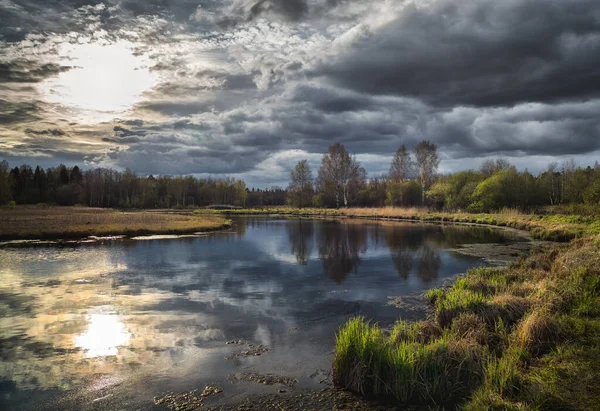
129	234
556	228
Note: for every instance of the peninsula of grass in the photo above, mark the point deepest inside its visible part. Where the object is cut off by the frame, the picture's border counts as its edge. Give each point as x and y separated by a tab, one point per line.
526	337
550	227
50	223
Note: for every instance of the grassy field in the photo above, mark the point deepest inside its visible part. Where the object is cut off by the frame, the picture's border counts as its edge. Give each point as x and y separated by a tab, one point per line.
78	222
552	227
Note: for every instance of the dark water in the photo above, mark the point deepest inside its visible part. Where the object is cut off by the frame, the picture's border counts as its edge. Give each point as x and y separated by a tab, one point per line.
111	325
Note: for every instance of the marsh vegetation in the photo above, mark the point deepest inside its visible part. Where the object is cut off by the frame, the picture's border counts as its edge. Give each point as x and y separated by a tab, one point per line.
78	222
523	337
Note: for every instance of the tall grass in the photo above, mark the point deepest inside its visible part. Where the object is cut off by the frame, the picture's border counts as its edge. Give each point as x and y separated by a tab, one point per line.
523	337
404	369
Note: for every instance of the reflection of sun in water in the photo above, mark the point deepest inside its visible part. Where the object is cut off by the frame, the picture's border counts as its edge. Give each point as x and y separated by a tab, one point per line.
105	80
104	335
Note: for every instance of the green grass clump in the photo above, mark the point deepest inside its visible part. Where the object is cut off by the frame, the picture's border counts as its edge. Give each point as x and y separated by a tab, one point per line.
403	368
526	337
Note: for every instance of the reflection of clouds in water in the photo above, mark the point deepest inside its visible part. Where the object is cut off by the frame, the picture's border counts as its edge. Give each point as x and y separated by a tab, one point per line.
179	300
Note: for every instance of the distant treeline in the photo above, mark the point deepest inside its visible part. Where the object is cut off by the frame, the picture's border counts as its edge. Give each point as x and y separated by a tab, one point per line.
413	180
102	187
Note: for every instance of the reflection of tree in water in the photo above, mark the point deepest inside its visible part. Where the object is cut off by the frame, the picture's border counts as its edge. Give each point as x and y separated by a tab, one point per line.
429	263
410	244
339	247
403	261
403	241
300	234
240	227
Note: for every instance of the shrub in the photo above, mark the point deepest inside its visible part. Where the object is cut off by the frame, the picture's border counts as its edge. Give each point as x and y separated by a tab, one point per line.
471	327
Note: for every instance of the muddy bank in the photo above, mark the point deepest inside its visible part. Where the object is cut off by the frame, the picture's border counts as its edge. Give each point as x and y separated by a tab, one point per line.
496	254
325	399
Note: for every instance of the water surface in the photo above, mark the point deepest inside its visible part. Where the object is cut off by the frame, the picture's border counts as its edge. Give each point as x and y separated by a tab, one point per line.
111	324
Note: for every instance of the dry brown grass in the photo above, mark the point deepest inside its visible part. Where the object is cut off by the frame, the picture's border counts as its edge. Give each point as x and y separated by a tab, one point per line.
78	222
422	332
544	227
511	307
538	332
469	326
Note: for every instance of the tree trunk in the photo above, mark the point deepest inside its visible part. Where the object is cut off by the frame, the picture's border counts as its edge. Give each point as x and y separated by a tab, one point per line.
345	196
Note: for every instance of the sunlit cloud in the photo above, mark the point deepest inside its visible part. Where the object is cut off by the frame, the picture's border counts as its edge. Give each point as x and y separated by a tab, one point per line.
106	81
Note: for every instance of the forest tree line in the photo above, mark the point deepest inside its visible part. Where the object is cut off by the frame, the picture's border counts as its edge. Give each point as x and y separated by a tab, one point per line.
101	187
413	180
341	181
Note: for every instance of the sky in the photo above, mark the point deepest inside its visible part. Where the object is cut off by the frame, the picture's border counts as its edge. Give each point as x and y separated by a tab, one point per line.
247	88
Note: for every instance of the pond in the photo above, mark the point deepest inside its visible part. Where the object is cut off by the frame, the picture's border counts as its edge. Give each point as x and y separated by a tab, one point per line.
115	323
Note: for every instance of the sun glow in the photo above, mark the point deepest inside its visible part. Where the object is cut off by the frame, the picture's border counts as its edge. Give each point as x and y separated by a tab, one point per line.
105	80
104	335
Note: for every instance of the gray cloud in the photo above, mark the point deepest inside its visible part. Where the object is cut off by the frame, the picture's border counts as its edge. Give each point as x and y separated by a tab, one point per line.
26	71
477	53
18	112
55	132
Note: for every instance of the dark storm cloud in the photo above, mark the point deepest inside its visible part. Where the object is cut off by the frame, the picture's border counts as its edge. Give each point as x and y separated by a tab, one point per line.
332	101
480	53
532	129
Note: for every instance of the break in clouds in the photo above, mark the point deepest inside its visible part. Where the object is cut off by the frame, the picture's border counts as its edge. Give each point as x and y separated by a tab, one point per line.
249	87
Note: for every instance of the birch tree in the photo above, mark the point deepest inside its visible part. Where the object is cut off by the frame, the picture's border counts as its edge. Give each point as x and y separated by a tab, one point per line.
402	165
300	190
427	164
339	171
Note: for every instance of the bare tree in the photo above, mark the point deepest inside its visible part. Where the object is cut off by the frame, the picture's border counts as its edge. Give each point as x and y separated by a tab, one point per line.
427	164
300	190
339	171
551	177
492	166
402	165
